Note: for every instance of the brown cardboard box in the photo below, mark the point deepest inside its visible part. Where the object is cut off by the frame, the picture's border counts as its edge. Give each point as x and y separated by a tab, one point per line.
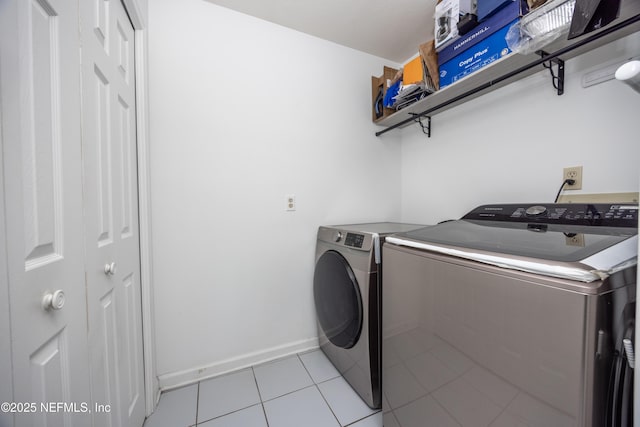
430	65
379	86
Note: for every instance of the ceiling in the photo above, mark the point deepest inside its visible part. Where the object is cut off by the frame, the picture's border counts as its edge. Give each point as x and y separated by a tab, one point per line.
391	29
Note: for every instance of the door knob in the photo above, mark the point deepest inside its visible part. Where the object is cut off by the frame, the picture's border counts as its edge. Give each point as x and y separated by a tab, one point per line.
53	301
110	269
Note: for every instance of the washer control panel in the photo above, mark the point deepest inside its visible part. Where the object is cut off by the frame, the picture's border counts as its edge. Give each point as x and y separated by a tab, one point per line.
598	214
354	240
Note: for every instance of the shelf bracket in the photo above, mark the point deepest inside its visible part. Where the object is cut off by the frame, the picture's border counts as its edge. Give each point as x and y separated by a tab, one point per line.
557	78
426	129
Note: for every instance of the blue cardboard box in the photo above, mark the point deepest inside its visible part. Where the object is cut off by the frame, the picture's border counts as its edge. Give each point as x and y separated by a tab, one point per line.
487	7
483	30
481	54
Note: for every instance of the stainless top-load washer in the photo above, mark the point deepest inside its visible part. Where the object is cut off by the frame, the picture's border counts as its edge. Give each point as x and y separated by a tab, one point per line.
512	315
346	289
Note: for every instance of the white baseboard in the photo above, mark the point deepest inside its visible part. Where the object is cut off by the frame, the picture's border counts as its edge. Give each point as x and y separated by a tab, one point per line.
189	376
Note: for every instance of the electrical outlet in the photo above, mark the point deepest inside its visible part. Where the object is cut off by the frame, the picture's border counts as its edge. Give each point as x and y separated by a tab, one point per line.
290	200
575	240
574	173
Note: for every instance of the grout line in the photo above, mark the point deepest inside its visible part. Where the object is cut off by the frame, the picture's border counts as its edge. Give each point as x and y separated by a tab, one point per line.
288	393
393	414
331	409
403	363
338	374
255	380
331	379
378	411
230	413
264	411
307	370
444	408
328	406
504	410
243	408
292	391
197	402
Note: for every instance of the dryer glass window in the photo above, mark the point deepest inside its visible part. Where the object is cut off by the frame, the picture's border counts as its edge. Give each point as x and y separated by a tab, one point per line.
337	299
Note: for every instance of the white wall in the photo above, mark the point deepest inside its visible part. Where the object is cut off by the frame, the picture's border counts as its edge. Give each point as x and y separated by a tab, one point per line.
511	145
242	113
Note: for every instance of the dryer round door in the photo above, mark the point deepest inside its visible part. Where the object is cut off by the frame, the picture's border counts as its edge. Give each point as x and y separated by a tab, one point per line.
338	300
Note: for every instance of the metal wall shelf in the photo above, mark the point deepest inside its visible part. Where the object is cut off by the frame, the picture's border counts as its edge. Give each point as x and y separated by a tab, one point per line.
512	68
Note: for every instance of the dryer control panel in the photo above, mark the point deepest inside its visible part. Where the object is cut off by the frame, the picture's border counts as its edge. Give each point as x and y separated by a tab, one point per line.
598	214
342	238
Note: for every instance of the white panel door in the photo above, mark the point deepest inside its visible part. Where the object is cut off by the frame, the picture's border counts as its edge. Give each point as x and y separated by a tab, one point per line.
111	212
43	200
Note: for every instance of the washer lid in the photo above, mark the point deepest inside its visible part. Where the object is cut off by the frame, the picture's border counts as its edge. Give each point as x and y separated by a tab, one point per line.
545	242
584	253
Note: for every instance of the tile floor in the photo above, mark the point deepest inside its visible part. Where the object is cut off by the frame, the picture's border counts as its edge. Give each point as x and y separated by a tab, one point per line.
301	390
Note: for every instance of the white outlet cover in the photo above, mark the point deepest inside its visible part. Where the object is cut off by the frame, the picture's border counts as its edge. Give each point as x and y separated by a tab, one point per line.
290	202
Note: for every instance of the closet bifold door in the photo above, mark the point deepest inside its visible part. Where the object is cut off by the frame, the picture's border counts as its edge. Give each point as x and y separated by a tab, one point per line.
111	213
42	192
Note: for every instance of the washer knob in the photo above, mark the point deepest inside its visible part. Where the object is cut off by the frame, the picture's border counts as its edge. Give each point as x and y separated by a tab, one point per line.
338	236
535	210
